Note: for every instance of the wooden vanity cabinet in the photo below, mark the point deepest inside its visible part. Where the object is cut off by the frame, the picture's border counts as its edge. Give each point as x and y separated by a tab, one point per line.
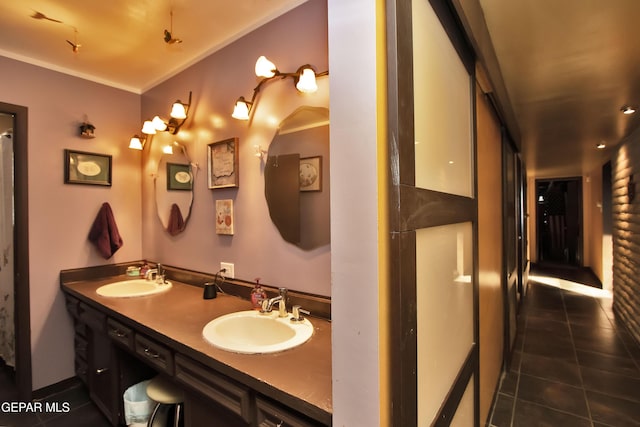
113	353
94	361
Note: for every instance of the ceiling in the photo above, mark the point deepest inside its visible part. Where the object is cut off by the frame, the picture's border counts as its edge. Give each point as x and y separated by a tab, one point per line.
568	66
122	41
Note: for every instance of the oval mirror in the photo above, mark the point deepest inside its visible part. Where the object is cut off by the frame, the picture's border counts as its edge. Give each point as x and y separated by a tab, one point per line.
296	175
174	189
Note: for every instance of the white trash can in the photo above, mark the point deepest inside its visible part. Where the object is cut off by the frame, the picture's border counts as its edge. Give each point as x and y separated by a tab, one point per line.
137	405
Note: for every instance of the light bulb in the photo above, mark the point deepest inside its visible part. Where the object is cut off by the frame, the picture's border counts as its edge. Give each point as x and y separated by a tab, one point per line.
159	124
307	81
265	68
241	109
135	143
178	111
148	128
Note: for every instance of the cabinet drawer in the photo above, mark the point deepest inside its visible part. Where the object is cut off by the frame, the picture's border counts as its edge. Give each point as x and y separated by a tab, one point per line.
273	415
222	390
92	317
120	333
156	354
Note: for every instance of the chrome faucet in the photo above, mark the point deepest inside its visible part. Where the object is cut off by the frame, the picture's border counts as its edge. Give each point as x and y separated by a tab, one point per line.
149	274
267	305
159	272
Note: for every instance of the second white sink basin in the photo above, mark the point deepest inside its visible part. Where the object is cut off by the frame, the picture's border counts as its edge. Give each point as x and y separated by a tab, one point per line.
252	332
132	288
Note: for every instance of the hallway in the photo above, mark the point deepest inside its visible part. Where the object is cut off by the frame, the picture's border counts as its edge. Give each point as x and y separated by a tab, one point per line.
573	364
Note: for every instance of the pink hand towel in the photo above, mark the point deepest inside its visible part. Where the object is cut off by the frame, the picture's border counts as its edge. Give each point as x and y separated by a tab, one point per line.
104	232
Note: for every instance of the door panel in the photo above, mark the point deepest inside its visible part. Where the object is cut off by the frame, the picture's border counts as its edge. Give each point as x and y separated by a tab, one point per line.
444	296
433	217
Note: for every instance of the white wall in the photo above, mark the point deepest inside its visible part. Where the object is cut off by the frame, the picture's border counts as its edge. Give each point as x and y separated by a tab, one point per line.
354	213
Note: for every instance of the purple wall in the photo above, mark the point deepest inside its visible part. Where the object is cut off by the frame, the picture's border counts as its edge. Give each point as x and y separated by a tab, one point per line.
257	249
60	215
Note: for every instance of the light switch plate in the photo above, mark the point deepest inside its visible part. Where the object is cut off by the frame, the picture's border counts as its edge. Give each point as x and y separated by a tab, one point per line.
230	273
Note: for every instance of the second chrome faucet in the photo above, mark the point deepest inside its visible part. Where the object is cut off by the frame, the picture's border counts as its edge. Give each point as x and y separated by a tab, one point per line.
281	300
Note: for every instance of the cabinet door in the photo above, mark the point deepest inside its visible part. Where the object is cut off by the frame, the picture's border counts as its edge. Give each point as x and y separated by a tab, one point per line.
102	375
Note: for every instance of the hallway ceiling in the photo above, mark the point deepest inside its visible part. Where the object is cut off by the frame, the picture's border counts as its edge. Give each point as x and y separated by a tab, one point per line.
122	41
568	67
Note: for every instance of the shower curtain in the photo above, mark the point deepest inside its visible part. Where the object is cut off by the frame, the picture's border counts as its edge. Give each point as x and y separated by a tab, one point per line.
7	327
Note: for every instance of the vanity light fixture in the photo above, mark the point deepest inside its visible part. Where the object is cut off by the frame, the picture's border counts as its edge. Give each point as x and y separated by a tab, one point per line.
627	109
179	114
304	80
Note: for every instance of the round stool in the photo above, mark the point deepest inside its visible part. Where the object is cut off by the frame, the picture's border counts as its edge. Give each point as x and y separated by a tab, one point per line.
168	396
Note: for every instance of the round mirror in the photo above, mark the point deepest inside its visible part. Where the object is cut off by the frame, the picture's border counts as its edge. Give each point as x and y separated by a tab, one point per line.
174	189
296	175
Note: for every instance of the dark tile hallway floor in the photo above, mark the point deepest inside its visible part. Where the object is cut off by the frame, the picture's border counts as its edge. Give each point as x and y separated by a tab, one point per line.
573	365
81	411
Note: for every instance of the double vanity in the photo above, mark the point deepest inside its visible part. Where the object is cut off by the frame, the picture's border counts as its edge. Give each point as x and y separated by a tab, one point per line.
237	367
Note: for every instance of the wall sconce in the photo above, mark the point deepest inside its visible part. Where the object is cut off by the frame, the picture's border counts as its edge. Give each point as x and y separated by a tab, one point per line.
304	80
259	151
179	113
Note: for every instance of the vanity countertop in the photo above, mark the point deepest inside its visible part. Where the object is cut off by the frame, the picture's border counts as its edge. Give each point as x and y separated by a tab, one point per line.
301	375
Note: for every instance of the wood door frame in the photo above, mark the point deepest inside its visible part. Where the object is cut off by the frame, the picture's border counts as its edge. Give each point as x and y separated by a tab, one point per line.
21	248
411	208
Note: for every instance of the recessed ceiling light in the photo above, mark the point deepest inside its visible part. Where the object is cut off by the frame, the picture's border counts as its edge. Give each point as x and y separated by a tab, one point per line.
627	109
601	146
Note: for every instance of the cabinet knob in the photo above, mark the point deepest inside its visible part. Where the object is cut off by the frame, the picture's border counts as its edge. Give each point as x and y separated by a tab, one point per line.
101	371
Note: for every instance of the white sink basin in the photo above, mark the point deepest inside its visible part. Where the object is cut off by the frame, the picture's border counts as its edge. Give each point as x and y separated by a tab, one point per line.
252	332
132	288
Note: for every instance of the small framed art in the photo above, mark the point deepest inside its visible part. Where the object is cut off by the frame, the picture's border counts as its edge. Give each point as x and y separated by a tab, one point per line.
311	173
224	216
179	177
81	167
222	160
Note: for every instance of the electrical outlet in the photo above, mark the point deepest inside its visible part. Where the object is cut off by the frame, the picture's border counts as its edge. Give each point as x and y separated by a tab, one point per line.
229	274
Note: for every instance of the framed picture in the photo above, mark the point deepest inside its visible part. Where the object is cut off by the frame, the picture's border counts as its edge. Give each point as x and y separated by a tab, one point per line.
87	168
311	173
179	177
222	160
224	216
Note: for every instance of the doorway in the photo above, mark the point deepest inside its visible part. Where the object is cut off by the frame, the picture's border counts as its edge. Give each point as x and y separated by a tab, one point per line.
559	221
15	248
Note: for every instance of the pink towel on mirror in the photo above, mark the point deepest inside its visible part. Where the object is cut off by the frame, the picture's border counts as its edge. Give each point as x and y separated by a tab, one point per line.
104	232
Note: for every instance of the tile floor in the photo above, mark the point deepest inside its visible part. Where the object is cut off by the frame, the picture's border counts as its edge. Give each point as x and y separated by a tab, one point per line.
82	413
573	365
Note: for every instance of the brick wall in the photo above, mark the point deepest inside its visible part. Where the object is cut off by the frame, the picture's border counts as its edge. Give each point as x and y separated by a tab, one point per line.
626	233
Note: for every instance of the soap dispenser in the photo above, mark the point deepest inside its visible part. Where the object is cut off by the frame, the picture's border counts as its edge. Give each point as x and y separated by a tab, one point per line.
258	295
